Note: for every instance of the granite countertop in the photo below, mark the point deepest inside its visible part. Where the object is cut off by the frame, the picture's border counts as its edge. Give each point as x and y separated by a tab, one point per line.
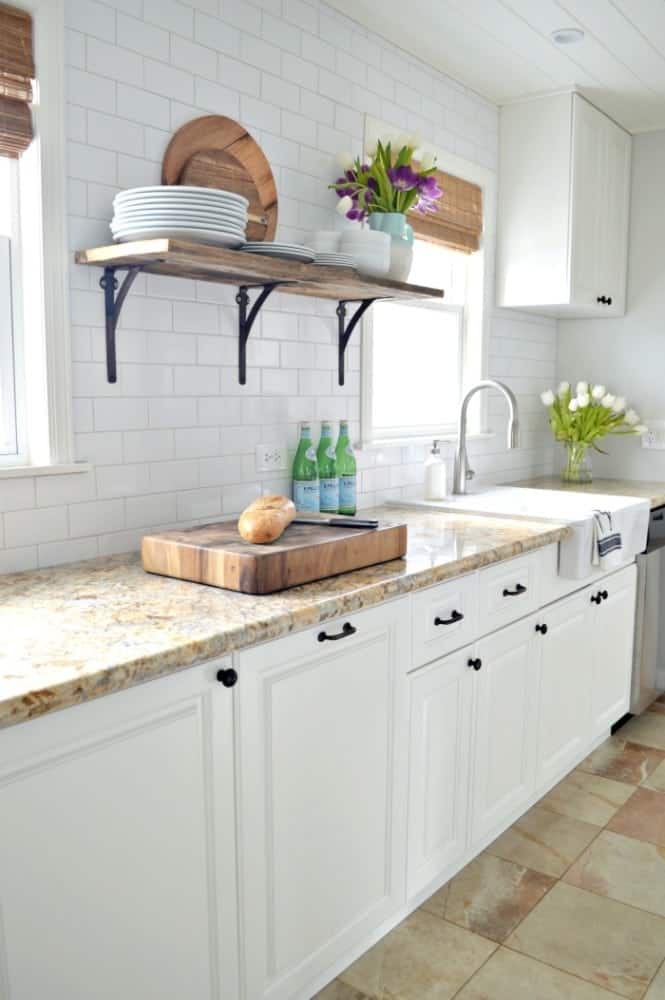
654	492
79	631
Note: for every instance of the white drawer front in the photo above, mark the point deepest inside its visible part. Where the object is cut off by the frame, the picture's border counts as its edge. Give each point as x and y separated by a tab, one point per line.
507	591
445	617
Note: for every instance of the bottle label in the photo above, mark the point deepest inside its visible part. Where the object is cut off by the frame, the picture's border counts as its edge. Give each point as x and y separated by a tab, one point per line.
347	492
310	454
330	451
349	449
306	495
330	495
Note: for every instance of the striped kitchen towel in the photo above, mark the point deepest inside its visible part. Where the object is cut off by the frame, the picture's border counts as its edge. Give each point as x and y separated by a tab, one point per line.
606	543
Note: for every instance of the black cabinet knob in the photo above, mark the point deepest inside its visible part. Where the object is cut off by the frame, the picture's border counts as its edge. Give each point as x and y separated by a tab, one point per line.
596	598
227	677
608	300
601	299
476	664
604	595
542	629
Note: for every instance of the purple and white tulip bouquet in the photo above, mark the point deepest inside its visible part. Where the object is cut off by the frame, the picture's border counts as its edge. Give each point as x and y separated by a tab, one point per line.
388	180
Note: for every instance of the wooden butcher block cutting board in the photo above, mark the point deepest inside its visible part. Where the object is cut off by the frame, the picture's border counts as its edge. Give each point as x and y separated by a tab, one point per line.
216	554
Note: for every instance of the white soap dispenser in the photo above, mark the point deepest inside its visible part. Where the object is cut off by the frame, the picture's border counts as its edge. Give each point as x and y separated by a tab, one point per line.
435	474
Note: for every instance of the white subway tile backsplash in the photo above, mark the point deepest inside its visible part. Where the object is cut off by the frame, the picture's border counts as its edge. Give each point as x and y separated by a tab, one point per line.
174	440
140	105
170	14
148	39
29	527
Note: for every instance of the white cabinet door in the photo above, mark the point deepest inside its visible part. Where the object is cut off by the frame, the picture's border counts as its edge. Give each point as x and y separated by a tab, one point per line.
565	652
117	841
612	623
613	246
440	732
506	690
322	794
588	204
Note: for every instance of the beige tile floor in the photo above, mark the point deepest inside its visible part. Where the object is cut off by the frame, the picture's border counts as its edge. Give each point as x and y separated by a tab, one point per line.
568	904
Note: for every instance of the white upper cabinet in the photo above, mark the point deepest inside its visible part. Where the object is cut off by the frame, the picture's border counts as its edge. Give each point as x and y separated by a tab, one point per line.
564	186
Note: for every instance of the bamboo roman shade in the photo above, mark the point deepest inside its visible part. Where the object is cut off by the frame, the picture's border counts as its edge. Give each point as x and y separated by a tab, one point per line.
17	70
458	220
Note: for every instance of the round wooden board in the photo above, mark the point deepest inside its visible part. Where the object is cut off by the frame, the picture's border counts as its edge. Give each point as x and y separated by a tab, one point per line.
217	152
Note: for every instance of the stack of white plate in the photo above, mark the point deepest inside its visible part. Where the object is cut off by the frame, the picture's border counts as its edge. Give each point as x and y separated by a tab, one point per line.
369	248
289	251
204	215
324	240
335	259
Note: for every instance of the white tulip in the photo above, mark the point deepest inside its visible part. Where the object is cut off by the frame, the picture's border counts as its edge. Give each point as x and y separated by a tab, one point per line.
581	387
572	405
413	140
344	204
619	404
370	152
547	397
631	418
563	388
608	400
598	392
427	161
583	399
641	429
345	161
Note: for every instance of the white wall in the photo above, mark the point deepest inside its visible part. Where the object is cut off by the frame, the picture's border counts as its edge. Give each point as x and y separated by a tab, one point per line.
173	441
628	353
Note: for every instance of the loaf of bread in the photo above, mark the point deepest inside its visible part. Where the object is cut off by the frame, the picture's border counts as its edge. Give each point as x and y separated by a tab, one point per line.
266	519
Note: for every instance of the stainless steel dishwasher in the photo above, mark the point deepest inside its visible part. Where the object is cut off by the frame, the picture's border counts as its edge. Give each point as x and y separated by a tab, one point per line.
649	662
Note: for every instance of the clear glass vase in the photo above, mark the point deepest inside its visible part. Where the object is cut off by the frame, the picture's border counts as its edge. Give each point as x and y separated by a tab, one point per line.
578	463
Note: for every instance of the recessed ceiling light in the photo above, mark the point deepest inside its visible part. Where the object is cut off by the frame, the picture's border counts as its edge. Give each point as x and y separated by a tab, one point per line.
567	36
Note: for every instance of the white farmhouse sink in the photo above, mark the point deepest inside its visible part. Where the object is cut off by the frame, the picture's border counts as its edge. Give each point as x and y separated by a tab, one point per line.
630	514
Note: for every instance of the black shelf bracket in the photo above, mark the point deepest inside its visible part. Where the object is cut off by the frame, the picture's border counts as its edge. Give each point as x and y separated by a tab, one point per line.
112	307
344	331
246	320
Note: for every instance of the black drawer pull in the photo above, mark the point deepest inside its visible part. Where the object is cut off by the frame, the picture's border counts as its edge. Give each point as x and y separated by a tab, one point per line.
519	589
227	677
542	629
456	616
596	598
476	664
604	595
347	629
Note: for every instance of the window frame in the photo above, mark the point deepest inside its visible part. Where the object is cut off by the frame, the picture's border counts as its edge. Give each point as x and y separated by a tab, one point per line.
478	308
45	337
15	296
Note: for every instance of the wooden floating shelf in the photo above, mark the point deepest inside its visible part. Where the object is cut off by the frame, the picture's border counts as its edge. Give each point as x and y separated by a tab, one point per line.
247	271
183	259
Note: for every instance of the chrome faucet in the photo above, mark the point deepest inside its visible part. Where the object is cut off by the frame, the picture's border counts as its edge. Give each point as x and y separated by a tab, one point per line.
462	470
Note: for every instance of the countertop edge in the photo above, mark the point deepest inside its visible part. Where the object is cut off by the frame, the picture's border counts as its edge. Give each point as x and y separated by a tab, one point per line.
138	670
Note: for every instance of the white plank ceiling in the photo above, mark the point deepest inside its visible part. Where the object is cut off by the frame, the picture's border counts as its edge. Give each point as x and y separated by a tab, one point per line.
502	48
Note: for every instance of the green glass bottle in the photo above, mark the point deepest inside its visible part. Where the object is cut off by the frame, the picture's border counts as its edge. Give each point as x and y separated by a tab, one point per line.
327	462
346	470
306	473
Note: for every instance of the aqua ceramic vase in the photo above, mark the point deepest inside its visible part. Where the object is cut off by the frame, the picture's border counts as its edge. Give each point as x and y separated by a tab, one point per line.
401	241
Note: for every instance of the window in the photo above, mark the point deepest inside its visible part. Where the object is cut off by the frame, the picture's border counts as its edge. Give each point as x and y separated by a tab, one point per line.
12	443
35	393
414	356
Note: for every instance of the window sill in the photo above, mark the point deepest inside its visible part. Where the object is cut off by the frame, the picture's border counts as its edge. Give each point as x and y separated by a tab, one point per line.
403	442
26	471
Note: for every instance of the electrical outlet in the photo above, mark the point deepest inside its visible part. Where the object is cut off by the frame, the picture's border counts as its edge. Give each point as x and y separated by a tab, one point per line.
654	439
270	458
